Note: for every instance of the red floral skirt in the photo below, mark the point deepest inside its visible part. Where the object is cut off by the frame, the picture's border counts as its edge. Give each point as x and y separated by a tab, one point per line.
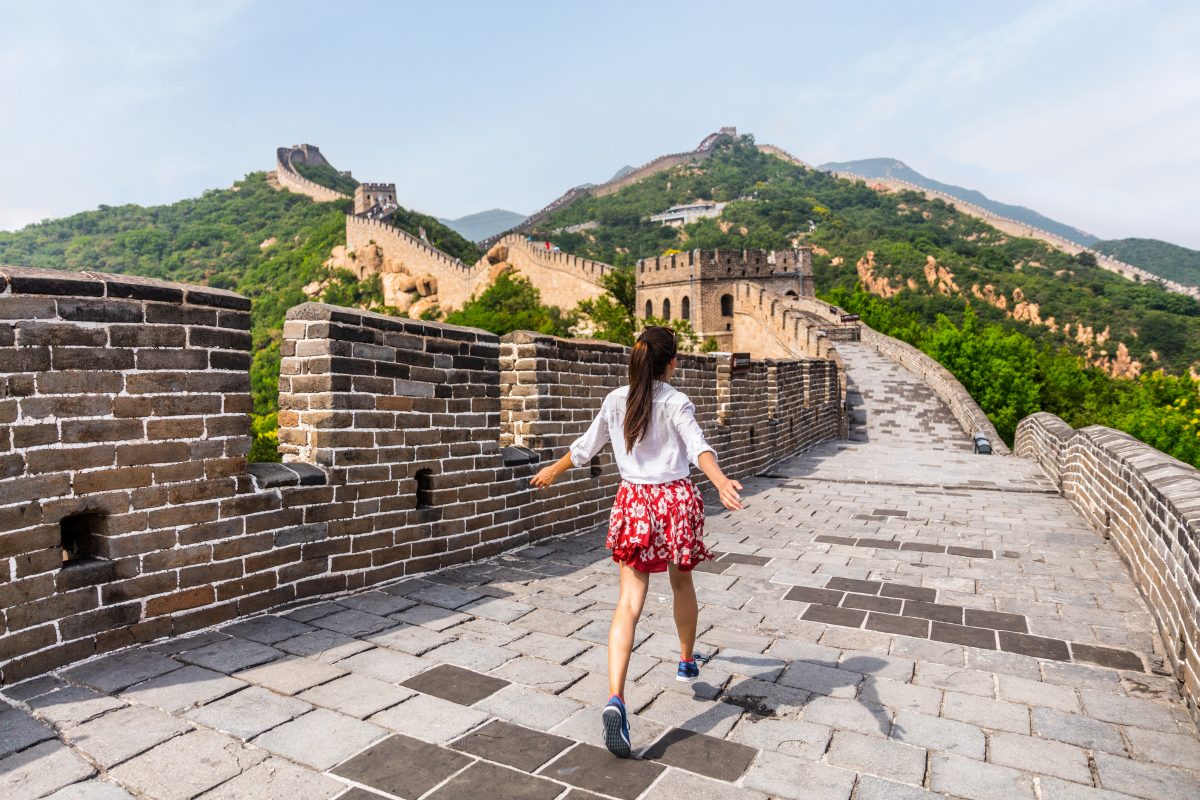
656	524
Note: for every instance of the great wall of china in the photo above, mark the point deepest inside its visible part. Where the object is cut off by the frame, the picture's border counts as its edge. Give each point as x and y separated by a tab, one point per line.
1017	228
128	511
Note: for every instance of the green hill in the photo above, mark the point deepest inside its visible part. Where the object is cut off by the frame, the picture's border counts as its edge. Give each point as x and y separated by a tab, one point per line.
250	238
883	168
1164	259
967	293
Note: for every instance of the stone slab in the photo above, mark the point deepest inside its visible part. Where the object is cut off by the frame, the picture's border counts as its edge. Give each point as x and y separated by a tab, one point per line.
402	766
186	766
248	713
125	733
597	770
320	738
512	745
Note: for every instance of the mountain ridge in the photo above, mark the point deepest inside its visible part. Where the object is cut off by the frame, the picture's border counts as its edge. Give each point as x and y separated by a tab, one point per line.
895	169
482	224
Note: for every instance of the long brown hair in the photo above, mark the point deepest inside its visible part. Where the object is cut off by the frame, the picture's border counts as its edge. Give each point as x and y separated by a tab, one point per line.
651	355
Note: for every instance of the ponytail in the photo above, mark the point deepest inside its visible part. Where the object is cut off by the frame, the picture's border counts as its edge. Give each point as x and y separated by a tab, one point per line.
651	355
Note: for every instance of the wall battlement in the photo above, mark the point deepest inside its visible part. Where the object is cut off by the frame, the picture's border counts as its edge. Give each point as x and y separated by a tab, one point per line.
290	179
1144	502
727	264
124	406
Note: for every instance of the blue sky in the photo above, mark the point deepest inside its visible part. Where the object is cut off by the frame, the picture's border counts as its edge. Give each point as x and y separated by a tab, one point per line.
1086	111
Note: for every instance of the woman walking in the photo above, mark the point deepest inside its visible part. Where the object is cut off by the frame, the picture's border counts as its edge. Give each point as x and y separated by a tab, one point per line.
657	521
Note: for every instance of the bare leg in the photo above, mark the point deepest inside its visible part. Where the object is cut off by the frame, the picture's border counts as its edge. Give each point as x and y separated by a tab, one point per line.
624	622
686	611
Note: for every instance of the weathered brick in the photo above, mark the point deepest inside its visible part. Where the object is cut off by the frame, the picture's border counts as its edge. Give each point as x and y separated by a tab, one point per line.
100	430
114	358
180	601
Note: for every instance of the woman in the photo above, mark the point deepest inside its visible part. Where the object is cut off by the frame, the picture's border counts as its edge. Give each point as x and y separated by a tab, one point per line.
657	521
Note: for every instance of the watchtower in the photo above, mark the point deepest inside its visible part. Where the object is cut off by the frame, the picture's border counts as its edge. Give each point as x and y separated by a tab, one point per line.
699	285
369	195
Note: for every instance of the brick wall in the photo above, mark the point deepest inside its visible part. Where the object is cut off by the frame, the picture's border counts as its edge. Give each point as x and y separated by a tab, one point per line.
1145	503
562	279
124	403
456	281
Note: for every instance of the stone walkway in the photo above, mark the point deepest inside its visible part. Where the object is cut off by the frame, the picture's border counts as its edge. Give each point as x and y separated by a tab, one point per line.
890	618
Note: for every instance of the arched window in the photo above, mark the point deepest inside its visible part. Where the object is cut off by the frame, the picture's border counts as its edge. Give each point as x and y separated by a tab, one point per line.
649	309
792	294
666	309
726	305
685	309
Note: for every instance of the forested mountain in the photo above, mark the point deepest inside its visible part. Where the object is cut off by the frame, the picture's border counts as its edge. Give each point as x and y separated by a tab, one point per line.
883	168
1168	260
1024	326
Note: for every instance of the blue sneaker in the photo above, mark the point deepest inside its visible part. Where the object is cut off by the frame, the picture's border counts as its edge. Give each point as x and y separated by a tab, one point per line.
616	729
688	670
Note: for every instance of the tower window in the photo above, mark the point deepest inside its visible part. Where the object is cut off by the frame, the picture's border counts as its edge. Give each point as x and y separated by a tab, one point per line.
649	309
726	305
666	309
685	309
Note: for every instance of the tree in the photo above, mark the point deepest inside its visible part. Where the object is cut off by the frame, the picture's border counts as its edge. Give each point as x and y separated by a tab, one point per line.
511	303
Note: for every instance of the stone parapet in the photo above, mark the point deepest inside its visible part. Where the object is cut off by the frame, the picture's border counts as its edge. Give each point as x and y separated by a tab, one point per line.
128	511
1146	503
943	383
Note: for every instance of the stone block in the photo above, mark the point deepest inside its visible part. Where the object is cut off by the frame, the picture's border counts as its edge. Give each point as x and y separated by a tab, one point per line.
965	777
782	776
276	779
122	670
594	769
942	735
402	766
125	733
248	713
320	738
41	770
18	730
186	766
876	756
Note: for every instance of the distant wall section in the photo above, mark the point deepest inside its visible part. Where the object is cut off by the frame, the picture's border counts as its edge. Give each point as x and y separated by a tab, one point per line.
290	179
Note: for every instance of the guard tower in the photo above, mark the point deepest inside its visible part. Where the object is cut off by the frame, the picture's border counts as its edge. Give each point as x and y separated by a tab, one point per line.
369	195
699	285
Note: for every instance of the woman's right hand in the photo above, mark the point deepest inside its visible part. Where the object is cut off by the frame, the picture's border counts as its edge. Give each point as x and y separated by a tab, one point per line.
728	490
545	478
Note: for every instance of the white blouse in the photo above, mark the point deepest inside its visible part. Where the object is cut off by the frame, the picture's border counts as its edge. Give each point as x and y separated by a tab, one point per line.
672	439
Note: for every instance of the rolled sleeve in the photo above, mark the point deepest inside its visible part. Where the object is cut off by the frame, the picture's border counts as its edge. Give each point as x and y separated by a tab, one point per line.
690	432
585	448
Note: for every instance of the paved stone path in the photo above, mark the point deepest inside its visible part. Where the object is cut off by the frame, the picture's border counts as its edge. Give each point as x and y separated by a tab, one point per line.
891	618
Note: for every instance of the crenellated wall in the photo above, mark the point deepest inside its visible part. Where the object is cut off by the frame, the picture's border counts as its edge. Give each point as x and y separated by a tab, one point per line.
457	281
964	408
293	181
563	279
124	406
1146	503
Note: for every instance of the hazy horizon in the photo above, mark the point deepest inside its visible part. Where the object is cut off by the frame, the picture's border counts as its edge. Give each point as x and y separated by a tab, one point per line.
1084	113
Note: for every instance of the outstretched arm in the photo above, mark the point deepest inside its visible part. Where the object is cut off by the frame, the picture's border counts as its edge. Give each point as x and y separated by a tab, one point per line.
726	487
548	475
